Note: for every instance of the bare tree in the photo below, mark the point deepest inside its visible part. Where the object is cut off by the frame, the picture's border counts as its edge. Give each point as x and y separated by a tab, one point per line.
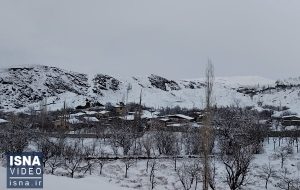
102	159
122	136
101	162
90	153
43	113
64	116
54	162
176	153
152	173
240	136
282	153
237	165
128	162
297	144
188	174
266	173
13	138
74	158
207	131
185	180
213	175
46	146
274	143
147	143
56	159
101	129
192	141
165	142
287	182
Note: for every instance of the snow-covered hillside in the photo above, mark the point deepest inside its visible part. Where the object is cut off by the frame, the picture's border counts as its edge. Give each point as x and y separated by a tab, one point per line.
24	87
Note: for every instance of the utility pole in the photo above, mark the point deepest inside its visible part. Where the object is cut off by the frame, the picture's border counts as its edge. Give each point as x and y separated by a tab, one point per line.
129	87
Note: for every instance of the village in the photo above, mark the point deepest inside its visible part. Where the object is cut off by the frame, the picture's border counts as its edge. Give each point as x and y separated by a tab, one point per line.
94	117
144	147
108	140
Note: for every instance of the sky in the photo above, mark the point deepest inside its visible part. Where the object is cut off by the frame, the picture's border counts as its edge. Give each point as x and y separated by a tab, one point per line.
172	38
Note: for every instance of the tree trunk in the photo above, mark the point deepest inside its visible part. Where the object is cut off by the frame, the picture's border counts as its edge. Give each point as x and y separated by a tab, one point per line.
126	169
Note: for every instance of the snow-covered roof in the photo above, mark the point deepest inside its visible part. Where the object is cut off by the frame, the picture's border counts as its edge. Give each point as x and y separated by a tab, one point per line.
290	128
77	114
194	124
103	112
182	116
3	121
94	119
263	121
128	117
84	113
290	116
175	125
90	112
249	81
74	121
148	114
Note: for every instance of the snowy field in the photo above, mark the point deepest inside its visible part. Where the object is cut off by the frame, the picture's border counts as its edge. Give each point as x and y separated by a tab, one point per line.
55	182
166	177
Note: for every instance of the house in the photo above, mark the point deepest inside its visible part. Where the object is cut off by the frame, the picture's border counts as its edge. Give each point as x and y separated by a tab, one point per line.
3	122
91	105
74	120
290	120
90	119
66	121
128	117
60	123
103	114
180	118
149	114
176	120
120	108
200	118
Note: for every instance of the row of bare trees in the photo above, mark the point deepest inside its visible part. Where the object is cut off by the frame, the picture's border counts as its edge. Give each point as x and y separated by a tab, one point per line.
238	136
75	157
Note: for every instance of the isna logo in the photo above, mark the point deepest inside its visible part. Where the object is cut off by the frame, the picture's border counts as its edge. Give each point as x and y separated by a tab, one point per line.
24	170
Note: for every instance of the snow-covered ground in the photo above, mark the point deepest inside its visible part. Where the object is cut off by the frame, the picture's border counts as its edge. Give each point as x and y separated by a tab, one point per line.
112	177
56	182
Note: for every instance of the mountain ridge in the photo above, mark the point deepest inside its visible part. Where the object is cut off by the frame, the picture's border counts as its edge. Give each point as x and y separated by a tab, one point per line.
26	86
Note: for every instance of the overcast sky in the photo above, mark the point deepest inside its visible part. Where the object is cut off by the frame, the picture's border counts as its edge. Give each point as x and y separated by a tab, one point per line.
172	38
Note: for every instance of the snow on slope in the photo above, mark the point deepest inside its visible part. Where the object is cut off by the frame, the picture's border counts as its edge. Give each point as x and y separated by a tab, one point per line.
289	81
26	86
23	85
245	81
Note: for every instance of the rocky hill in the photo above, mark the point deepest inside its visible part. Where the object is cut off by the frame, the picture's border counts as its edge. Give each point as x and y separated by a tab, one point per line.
25	87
